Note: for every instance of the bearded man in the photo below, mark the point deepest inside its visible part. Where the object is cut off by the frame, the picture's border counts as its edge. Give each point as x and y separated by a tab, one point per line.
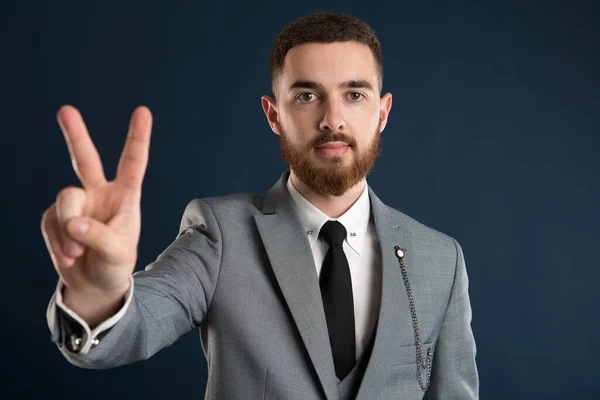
314	290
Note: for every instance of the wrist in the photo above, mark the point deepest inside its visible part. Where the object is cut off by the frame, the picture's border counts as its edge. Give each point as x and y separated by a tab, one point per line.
95	305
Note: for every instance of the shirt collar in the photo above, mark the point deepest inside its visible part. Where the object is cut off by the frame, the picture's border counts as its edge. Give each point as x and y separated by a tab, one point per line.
355	220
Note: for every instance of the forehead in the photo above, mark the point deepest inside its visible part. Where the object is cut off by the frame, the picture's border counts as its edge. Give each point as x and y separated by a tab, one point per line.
329	63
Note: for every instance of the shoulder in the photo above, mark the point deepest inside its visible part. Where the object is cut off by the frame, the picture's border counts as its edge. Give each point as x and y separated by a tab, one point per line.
230	207
237	202
428	236
434	250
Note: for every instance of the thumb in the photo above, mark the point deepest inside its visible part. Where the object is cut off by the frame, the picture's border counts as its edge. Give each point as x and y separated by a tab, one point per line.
97	236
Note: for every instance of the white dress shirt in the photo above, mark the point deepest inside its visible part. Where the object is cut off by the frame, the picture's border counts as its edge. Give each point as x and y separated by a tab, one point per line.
361	247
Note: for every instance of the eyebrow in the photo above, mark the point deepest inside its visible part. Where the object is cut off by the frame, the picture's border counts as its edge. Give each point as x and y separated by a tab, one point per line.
351	84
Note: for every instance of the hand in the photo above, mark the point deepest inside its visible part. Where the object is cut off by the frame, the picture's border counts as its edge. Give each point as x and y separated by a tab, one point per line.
92	233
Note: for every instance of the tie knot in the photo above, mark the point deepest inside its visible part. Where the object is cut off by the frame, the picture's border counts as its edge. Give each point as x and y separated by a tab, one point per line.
333	232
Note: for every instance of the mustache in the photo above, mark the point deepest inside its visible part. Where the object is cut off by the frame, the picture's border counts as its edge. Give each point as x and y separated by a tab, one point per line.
331	136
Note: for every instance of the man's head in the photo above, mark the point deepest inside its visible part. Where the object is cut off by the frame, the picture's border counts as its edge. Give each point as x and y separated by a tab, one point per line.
327	74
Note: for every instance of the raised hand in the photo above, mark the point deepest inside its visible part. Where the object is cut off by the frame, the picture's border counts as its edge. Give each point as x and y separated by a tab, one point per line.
92	233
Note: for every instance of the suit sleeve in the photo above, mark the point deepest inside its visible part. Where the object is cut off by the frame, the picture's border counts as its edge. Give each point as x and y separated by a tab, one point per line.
169	298
454	372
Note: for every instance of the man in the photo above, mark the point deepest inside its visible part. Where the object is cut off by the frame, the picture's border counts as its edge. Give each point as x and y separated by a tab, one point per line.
315	290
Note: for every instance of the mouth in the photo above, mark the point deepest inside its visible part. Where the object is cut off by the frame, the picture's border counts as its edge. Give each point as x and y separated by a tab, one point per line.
332	145
332	148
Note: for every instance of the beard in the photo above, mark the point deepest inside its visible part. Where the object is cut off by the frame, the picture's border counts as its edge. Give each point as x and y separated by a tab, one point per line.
332	178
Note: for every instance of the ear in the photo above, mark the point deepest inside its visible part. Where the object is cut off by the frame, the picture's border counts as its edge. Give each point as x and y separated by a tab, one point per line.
269	106
384	111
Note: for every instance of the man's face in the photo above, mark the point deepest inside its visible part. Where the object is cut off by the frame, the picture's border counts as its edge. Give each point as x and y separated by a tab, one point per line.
328	114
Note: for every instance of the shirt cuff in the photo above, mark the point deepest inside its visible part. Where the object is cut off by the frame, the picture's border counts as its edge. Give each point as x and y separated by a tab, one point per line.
89	338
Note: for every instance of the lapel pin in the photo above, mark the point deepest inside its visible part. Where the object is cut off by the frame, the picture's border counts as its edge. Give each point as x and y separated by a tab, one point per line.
399	252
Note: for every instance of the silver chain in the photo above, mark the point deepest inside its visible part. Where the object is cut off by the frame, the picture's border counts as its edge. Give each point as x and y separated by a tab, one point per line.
415	323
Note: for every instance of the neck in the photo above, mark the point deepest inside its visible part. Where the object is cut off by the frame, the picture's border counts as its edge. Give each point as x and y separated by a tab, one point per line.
332	206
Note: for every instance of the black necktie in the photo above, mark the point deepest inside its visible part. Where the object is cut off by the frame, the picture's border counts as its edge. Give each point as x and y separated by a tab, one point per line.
338	302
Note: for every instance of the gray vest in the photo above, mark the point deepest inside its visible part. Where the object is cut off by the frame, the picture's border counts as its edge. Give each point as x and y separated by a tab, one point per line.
348	387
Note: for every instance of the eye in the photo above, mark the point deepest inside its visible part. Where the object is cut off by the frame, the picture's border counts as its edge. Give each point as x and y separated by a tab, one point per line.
356	96
306	97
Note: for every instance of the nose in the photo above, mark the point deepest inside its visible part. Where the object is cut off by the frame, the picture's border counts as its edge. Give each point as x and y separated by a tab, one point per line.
333	119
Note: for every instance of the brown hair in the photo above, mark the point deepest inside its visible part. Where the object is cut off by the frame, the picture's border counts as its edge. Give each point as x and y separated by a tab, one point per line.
323	27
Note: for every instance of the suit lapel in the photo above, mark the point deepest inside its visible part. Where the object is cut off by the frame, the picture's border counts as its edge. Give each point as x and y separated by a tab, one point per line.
394	322
291	258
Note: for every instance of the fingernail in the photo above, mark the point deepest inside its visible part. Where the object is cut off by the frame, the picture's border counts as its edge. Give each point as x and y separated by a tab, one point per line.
67	262
73	249
81	228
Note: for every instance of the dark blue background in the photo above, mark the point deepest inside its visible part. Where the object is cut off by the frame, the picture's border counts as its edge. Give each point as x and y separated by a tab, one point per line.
493	138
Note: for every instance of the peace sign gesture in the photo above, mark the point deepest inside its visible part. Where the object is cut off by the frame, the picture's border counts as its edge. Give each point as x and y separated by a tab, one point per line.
92	233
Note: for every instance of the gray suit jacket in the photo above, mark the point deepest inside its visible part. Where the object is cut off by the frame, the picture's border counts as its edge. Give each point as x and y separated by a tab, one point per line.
241	270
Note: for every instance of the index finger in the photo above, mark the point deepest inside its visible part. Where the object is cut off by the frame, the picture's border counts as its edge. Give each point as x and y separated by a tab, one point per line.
84	156
134	159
